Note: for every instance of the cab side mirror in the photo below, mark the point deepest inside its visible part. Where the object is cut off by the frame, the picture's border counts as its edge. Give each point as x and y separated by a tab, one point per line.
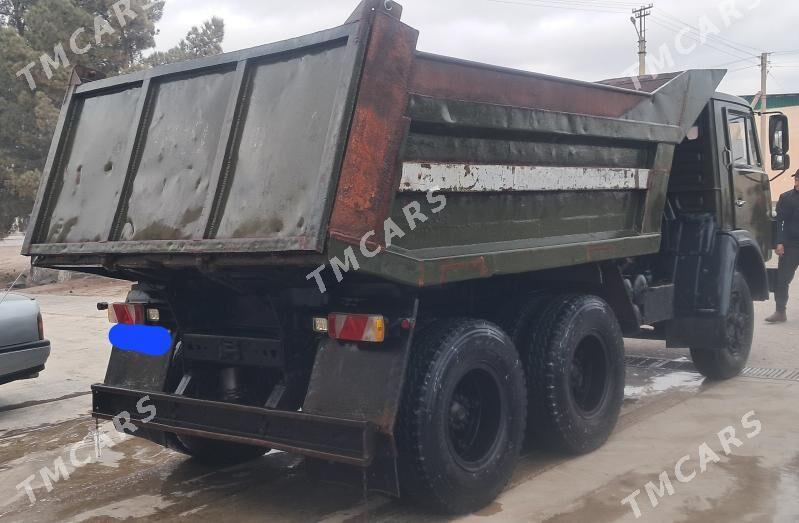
779	142
780	162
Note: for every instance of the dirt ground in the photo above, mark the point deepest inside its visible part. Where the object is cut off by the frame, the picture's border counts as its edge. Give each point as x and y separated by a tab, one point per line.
11	264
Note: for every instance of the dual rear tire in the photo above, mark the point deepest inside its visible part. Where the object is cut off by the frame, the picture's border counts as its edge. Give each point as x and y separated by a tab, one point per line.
470	395
575	368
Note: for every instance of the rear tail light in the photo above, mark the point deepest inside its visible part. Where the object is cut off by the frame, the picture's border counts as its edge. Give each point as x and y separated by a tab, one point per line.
126	313
41	326
357	327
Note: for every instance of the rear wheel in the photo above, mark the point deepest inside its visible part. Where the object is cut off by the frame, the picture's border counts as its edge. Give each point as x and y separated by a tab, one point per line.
575	371
462	418
729	358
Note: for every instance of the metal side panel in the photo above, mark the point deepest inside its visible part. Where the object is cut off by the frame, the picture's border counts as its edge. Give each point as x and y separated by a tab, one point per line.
88	181
236	153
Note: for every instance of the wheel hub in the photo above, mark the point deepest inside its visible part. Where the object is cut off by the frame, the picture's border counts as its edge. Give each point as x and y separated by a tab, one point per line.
589	378
474	417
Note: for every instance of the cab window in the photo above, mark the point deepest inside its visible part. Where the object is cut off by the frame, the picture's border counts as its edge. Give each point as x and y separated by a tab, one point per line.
742	140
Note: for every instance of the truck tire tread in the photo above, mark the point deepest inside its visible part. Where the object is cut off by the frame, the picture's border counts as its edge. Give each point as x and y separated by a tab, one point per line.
420	481
548	415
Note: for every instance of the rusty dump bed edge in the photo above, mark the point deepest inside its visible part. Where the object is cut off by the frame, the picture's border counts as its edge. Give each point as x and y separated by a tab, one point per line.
288	153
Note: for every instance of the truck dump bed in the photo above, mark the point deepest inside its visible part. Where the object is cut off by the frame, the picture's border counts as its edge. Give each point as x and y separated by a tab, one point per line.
302	147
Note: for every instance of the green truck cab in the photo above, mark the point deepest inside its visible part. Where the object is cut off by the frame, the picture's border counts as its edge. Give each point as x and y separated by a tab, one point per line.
400	264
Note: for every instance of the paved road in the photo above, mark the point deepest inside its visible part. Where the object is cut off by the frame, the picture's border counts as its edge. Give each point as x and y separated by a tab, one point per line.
667	415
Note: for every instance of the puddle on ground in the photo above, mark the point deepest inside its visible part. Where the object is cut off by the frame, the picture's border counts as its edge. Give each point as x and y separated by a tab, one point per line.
643	383
135	507
787	504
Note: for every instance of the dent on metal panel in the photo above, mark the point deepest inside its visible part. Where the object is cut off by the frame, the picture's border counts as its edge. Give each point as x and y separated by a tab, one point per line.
91	178
485	178
280	159
171	183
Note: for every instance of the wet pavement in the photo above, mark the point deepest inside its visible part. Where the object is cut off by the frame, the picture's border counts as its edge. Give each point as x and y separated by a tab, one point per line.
667	414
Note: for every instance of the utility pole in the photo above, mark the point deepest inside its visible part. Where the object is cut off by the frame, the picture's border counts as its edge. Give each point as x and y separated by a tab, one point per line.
763	106
639	22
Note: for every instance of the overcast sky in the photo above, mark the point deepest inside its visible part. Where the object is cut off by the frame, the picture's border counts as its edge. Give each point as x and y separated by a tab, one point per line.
583	39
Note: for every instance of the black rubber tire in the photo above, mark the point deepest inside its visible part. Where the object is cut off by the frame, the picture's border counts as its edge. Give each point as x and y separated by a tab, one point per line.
575	372
727	361
448	359
517	318
218	453
520	321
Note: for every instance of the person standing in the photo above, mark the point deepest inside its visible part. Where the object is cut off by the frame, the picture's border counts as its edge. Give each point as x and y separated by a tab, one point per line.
787	248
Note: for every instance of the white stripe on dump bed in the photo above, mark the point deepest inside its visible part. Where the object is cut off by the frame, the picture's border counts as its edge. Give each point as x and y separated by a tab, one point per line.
461	177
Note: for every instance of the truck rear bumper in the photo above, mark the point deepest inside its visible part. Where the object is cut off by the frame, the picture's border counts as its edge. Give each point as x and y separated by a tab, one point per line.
344	441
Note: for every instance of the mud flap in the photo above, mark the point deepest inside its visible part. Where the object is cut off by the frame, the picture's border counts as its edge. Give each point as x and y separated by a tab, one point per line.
131	370
363	381
134	371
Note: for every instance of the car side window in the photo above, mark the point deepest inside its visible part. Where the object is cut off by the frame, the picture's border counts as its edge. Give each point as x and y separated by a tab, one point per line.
742	140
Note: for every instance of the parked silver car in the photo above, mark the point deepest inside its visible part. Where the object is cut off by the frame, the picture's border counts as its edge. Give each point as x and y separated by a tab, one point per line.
23	348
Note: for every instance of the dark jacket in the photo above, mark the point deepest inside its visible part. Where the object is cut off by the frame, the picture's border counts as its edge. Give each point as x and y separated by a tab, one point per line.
788	219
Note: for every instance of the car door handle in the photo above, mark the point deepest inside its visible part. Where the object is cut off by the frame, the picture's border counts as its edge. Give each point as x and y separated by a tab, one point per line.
726	157
740	203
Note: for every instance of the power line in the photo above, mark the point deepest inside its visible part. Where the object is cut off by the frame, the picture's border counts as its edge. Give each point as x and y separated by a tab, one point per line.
677	30
744	48
571	6
782	87
743	68
733	62
698	37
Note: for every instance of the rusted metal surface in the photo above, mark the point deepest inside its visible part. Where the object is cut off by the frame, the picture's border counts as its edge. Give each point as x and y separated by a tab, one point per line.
443	77
368	178
454	270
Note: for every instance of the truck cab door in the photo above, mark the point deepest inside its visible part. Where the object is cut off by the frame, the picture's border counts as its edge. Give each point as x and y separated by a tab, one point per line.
749	184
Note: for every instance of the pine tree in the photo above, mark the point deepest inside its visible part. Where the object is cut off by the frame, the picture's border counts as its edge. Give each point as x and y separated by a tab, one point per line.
199	42
31	28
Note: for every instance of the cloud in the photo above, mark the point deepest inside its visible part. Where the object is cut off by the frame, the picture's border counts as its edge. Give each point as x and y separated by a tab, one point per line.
589	45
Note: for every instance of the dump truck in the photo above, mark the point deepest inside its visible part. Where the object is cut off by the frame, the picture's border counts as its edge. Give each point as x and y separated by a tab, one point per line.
404	267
